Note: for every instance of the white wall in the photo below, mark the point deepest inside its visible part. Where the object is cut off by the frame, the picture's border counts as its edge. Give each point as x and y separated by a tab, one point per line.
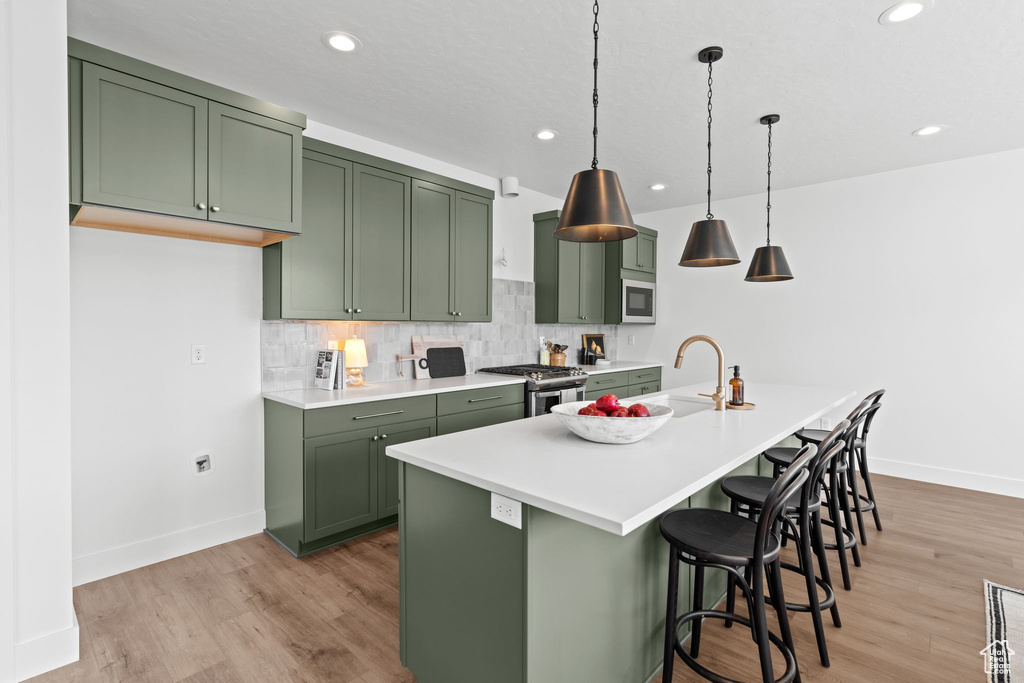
35	266
141	411
907	281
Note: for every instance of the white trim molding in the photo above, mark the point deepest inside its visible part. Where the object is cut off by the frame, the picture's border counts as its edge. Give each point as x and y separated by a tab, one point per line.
151	550
47	652
1004	486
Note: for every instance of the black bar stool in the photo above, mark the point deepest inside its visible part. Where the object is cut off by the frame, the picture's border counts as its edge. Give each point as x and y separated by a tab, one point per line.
714	538
862	503
802	523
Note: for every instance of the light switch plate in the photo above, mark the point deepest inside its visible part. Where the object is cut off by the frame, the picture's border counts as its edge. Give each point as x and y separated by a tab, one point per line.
506	510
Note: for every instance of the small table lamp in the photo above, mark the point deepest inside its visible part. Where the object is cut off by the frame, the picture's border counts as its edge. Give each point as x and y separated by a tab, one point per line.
355	361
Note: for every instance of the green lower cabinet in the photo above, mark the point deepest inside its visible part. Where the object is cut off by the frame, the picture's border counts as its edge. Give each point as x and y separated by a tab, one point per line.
644	389
387	468
449	424
341	482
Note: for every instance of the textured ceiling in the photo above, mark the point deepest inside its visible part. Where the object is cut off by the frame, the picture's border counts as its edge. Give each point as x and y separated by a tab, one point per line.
469	81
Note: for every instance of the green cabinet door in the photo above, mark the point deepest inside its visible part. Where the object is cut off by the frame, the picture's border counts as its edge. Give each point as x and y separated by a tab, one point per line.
569	277
255	170
647	253
311	269
382	244
433	257
473	258
127	125
340	482
591	287
387	468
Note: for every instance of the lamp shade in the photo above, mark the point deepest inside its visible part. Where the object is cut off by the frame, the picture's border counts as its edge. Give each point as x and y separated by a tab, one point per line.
769	265
595	209
355	353
709	244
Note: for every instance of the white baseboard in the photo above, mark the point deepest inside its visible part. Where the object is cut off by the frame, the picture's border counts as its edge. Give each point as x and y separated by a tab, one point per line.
134	555
47	653
1004	486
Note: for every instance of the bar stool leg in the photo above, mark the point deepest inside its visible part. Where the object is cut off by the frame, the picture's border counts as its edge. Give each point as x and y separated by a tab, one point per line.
759	625
867	485
855	488
837	526
779	603
670	615
812	590
826	576
698	604
844	502
730	595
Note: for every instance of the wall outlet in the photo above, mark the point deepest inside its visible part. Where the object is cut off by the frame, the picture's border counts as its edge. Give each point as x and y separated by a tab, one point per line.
507	510
202	464
631	339
826	423
198	354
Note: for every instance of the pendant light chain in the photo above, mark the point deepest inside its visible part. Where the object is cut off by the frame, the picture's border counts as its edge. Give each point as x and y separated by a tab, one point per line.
768	227
597	27
710	215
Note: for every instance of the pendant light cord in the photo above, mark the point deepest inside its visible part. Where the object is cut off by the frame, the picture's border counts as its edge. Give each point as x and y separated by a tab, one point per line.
710	215
597	27
768	227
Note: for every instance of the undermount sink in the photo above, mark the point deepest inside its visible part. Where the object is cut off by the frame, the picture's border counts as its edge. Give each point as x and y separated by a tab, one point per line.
684	407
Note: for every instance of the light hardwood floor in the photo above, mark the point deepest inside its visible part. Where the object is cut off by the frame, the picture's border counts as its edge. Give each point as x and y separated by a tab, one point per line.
247	611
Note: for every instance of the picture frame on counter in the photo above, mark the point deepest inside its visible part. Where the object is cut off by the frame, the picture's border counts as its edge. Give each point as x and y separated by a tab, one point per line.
593	346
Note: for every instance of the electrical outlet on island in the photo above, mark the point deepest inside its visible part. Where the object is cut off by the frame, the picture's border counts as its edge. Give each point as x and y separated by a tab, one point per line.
506	510
826	423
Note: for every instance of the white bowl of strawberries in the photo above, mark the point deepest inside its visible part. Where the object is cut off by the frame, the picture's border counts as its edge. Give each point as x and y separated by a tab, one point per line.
607	421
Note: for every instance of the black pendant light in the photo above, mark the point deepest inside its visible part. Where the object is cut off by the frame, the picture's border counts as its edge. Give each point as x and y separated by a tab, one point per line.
769	263
709	243
595	209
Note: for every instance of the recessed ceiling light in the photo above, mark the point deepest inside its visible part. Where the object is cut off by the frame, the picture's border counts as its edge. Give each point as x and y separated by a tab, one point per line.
545	134
929	130
902	11
657	187
340	41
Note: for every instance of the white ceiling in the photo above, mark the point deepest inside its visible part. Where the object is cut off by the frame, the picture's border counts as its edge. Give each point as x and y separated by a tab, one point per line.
469	81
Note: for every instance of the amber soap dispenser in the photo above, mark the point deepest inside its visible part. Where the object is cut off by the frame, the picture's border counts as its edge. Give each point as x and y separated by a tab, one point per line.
736	384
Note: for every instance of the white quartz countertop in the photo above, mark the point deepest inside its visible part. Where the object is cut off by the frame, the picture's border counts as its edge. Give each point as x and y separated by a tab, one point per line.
308	399
619	488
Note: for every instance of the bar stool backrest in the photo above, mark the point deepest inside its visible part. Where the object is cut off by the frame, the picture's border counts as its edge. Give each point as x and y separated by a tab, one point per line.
826	455
875	398
775	504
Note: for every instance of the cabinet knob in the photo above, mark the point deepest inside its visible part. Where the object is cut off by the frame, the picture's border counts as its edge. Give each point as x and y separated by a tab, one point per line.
348	310
383	436
375	438
214	208
359	310
200	206
459	313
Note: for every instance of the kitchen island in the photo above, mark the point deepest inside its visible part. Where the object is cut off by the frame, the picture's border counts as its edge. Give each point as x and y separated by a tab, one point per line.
577	592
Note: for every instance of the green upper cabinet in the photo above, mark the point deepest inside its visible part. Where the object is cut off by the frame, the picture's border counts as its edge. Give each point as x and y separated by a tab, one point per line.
304	278
127	122
473	257
381	241
640	253
632	259
382	244
433	257
255	170
150	147
569	276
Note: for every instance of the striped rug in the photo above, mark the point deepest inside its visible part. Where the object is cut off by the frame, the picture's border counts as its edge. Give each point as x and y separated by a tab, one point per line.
1004	654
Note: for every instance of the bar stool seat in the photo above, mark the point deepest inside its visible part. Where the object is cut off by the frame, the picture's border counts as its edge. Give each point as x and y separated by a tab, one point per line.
811	435
783	456
752	491
716	536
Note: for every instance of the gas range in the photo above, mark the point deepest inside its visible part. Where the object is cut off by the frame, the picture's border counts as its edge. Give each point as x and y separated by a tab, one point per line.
543	376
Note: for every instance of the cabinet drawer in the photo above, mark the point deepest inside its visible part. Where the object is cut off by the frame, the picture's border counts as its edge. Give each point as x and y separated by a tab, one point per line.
644	375
322	421
479	399
644	389
608	380
449	424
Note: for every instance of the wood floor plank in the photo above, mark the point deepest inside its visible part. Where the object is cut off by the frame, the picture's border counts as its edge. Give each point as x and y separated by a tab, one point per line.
249	611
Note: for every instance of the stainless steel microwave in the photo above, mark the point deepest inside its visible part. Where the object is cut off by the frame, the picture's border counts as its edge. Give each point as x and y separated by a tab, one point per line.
638	301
